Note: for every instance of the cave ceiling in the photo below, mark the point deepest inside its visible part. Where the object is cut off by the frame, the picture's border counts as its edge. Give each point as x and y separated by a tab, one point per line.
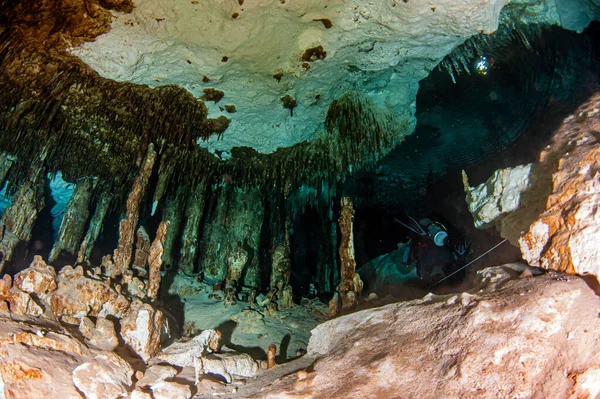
256	90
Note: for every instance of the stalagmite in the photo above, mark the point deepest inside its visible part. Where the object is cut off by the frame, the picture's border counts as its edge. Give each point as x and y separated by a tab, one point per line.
271	356
95	227
142	250
6	161
350	283
73	223
281	269
173	214
193	216
235	266
18	220
155	260
124	252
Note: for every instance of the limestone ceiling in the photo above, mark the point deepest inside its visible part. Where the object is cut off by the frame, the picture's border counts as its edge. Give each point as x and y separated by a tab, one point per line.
379	48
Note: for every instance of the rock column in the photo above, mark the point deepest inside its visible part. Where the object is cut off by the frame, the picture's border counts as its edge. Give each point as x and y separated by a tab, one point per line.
193	217
350	283
95	227
234	235
172	213
127	227
18	220
73	223
155	260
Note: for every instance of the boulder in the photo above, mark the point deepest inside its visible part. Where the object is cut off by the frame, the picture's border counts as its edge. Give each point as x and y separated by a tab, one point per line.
182	354
565	236
499	195
230	365
141	329
508	337
107	376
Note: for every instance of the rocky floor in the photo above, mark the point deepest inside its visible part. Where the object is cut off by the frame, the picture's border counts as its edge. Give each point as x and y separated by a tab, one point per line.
520	332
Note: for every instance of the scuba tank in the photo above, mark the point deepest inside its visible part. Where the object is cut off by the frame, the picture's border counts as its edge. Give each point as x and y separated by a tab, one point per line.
435	230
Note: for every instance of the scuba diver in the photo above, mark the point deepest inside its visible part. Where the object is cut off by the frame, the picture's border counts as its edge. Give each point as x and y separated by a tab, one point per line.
431	250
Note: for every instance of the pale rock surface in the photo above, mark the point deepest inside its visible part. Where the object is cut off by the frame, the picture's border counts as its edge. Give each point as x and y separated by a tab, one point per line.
509	337
499	195
170	390
138	394
100	336
182	354
79	296
230	365
141	329
107	376
156	373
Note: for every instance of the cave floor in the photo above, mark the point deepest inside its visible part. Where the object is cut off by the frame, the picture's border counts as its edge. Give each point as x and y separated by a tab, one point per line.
246	329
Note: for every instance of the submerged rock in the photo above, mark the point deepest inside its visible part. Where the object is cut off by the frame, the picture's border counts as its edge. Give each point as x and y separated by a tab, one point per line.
550	209
38	357
141	329
528	337
105	377
79	296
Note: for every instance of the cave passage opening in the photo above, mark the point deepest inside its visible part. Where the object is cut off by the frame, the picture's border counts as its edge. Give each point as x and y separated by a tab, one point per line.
499	114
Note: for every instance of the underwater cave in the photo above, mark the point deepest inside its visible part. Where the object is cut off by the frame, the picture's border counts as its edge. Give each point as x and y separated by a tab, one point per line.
424	200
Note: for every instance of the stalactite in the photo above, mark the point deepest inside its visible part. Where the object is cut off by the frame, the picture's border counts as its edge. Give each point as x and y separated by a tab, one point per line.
164	174
189	238
123	254
95	227
142	250
6	161
18	220
155	260
350	285
173	214
73	223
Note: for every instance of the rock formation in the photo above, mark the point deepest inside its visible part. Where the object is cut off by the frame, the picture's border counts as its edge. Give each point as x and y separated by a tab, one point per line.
565	236
18	220
74	220
523	337
351	285
95	227
193	215
549	208
155	260
123	254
